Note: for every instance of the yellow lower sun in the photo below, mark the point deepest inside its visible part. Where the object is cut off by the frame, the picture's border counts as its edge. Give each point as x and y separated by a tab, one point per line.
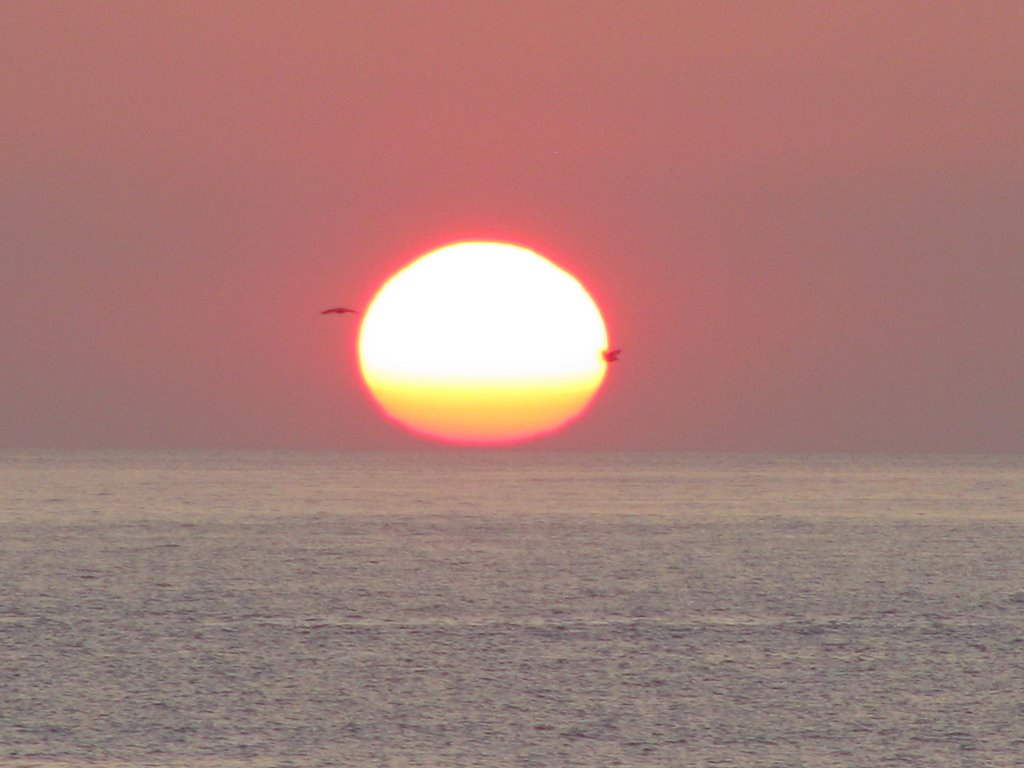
482	342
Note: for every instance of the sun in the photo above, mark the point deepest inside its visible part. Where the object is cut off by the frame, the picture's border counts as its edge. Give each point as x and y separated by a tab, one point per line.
483	342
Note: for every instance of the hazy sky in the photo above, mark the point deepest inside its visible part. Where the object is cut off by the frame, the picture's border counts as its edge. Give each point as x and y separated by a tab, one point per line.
803	221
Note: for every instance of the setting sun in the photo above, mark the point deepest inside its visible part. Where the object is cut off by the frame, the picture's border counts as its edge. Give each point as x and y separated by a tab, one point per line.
483	342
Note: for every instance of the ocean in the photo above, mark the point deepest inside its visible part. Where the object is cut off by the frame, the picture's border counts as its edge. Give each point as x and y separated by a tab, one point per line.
510	608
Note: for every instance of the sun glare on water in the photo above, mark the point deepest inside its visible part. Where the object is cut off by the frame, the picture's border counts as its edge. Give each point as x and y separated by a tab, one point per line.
482	342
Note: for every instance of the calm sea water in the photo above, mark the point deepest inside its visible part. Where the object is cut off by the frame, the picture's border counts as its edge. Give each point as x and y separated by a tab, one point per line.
510	609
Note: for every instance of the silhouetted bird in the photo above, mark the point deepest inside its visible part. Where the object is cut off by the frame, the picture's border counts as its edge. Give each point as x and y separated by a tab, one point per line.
338	311
611	355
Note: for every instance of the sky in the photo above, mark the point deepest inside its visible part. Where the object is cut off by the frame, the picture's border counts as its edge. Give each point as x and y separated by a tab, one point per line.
803	221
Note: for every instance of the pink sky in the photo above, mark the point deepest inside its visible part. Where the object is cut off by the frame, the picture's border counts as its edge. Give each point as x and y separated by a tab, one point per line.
803	221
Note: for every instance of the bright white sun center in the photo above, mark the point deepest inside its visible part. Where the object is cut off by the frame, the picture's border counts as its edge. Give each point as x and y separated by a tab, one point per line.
482	342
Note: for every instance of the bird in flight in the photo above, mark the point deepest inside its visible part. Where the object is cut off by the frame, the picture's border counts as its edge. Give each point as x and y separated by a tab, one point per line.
611	355
339	311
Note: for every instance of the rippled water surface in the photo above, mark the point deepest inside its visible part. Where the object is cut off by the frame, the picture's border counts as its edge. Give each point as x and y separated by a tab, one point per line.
510	609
